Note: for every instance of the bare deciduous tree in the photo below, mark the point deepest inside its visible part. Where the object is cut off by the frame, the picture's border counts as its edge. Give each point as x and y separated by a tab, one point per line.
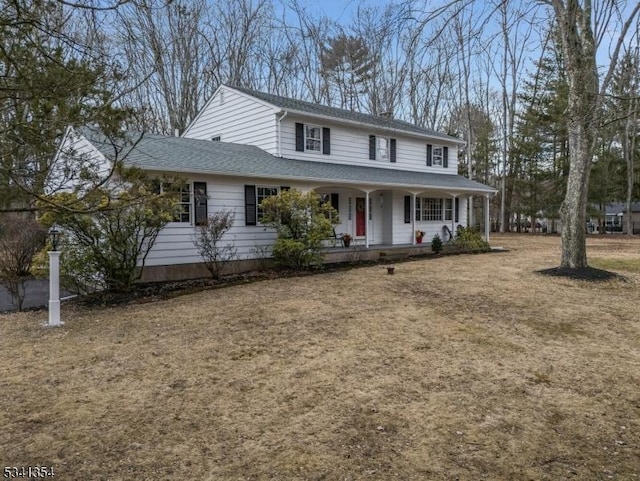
20	238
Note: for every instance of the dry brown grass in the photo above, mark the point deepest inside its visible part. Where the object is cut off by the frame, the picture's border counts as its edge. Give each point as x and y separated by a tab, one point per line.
463	367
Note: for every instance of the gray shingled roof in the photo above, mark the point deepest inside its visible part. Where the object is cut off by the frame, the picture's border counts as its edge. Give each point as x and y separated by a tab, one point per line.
314	109
178	154
621	207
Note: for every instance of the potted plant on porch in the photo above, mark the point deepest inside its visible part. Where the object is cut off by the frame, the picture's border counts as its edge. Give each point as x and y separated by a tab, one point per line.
419	236
346	240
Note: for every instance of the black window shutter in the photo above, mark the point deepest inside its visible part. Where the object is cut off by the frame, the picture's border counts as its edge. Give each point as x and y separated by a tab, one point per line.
372	147
429	157
250	211
445	157
407	209
299	137
326	141
457	209
393	150
335	202
200	200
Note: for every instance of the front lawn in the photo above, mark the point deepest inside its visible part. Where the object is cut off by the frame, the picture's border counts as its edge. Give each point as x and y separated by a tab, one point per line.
463	367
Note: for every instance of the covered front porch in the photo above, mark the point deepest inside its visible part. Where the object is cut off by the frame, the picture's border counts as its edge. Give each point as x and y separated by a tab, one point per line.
380	217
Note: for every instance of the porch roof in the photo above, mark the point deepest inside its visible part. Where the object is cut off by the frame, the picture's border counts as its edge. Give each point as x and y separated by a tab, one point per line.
183	155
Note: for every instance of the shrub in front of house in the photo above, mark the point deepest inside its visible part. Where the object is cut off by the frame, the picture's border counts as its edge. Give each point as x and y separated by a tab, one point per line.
110	230
468	239
208	240
302	222
436	244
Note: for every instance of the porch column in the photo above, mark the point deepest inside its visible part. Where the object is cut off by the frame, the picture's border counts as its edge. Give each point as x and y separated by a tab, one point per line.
454	212
366	217
487	219
413	220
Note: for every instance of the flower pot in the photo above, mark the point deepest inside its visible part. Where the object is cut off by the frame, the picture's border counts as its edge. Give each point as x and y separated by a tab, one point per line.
390	270
419	240
346	242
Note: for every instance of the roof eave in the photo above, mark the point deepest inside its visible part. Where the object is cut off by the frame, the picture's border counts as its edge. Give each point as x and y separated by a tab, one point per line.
345	182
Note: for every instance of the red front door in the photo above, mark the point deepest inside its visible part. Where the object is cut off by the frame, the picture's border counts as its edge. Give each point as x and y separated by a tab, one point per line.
361	219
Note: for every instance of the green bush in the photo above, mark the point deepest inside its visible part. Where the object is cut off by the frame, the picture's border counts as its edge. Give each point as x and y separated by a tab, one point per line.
302	222
111	230
436	244
468	239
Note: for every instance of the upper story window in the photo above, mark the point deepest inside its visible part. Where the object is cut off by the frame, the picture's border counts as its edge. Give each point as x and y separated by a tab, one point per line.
312	138
437	156
382	148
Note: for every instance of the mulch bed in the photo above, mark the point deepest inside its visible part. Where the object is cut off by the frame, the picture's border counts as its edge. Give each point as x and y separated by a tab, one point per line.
590	274
150	292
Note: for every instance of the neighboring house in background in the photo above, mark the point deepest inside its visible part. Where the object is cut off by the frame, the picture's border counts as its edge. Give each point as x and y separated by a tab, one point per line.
386	178
616	218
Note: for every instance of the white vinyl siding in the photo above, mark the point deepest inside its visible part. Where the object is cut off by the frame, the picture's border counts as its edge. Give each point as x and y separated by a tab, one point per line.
350	145
238	119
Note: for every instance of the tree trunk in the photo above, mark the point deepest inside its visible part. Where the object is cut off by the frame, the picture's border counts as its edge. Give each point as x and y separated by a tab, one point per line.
578	44
573	211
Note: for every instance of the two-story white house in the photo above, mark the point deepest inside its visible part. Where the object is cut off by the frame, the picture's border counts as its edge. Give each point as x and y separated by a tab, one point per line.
386	178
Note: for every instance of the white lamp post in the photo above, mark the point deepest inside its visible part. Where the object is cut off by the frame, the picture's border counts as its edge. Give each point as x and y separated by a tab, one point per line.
54	278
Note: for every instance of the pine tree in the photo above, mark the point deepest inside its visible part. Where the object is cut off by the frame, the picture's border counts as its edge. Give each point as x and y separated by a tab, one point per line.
47	81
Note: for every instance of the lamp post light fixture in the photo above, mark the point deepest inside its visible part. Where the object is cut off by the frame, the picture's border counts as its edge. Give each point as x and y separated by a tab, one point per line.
54	235
54	278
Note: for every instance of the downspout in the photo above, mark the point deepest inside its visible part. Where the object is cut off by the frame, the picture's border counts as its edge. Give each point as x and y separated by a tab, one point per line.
280	133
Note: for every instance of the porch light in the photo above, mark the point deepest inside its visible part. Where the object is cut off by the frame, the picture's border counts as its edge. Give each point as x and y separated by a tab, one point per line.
54	235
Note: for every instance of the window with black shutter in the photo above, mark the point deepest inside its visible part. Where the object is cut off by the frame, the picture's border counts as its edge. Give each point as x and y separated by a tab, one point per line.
407	209
200	200
299	137
372	147
445	157
335	202
326	141
457	210
429	155
392	149
250	209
